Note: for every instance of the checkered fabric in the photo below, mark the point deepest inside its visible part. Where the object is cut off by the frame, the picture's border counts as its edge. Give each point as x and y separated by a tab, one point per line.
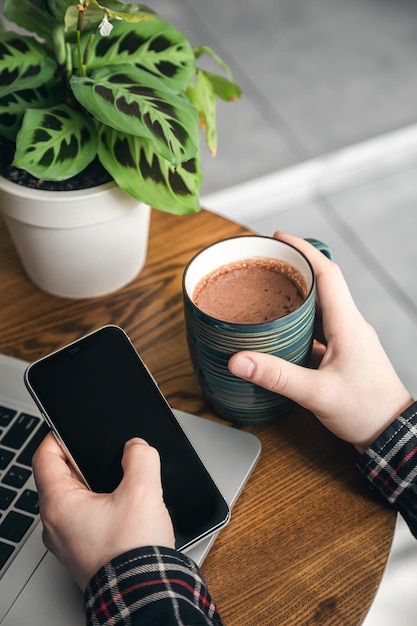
150	586
390	465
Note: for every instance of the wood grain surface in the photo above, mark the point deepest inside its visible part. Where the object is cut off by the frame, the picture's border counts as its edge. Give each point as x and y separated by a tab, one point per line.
308	541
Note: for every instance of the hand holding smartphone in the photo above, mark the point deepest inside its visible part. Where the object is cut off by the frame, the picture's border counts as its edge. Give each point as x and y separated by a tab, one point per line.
97	393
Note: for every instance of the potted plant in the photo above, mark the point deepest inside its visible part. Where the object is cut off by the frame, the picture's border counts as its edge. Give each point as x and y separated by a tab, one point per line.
105	94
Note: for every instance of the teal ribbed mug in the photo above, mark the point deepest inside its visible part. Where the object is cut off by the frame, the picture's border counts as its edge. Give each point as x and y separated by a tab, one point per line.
212	341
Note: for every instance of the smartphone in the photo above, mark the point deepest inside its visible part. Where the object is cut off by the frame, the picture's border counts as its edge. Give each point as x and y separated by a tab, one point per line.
97	393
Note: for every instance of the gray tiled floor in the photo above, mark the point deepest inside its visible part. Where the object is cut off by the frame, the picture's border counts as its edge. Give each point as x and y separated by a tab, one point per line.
317	75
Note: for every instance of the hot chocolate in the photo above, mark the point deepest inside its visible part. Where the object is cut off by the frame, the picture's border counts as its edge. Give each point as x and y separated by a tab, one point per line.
251	291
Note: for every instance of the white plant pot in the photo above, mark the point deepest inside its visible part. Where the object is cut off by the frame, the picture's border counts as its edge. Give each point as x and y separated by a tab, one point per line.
77	244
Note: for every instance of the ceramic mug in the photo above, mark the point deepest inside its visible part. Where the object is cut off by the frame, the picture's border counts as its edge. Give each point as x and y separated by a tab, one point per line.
212	342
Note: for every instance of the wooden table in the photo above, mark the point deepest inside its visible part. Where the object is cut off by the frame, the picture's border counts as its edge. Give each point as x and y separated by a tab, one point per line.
308	542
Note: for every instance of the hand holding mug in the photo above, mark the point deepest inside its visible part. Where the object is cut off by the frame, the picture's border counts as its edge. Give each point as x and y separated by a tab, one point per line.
253	282
355	392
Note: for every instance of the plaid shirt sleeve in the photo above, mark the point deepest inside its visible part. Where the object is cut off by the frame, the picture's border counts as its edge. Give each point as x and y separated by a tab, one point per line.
390	465
149	586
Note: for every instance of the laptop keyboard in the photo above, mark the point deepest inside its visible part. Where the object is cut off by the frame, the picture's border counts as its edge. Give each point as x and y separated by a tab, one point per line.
20	435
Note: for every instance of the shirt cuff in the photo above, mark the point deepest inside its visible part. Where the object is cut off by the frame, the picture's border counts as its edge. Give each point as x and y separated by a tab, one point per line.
150	585
390	465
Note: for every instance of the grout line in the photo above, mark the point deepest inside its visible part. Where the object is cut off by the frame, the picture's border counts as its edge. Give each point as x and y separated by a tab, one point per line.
313	179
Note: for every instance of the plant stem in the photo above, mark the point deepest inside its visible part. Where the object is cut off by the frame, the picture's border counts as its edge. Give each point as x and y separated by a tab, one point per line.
68	67
79	50
86	53
81	58
58	40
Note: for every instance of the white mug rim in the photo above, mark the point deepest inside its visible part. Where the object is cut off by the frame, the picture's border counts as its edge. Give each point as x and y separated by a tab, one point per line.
188	289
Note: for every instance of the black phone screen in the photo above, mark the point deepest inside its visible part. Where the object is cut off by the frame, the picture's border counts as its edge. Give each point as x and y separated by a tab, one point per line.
97	394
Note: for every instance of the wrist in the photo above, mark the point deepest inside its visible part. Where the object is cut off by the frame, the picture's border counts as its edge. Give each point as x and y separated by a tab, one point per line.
401	405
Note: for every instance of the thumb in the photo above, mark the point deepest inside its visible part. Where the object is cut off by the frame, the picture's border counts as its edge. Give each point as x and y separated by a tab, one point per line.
141	463
278	375
146	521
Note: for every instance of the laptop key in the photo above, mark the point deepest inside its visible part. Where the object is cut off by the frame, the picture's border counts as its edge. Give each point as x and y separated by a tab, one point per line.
20	431
6	497
14	526
25	457
6	551
29	502
5	458
16	476
6	415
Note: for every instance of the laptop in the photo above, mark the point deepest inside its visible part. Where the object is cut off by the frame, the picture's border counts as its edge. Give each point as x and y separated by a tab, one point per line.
35	589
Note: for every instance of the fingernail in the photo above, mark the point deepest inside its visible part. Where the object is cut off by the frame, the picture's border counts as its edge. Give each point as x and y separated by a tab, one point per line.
243	367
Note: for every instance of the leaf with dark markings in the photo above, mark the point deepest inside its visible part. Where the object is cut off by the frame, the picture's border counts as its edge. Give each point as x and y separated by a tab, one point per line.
14	105
154	46
24	63
55	143
139	170
124	97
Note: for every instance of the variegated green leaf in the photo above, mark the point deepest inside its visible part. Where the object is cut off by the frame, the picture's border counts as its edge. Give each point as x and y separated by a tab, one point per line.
153	45
24	63
55	143
203	97
225	89
14	105
131	99
141	172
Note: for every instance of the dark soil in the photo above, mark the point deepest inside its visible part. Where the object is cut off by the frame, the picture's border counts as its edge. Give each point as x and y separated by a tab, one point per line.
92	176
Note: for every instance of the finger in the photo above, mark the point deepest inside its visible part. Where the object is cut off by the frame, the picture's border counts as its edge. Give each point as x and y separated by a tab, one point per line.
280	376
141	463
318	260
50	444
335	301
140	493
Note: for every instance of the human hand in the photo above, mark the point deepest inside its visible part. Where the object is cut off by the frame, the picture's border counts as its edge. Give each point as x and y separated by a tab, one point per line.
355	391
84	529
